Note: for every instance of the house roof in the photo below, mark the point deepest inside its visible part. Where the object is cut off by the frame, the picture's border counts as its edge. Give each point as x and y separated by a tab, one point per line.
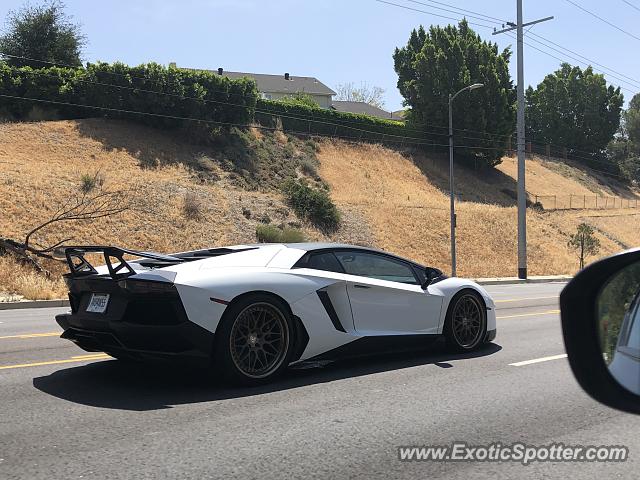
363	108
279	84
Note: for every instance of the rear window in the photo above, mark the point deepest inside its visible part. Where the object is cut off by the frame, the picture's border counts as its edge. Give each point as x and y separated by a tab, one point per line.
325	261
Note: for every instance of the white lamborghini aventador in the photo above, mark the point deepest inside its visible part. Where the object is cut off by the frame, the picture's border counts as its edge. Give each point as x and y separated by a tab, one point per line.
249	311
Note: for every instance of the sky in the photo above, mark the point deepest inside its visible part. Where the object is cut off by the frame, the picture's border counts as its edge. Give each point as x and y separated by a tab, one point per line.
341	41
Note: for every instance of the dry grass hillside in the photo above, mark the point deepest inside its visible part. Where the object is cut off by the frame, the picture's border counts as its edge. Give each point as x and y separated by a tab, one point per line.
391	200
405	201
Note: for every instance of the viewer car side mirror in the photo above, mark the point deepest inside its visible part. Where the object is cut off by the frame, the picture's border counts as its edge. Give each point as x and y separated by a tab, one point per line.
431	274
600	310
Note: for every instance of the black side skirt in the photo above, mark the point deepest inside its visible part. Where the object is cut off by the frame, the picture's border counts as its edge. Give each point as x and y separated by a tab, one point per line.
365	346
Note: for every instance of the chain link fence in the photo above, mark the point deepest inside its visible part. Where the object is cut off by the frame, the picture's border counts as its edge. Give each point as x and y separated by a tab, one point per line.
583	202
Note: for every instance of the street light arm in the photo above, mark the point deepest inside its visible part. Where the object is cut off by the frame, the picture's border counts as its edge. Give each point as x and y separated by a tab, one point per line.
468	87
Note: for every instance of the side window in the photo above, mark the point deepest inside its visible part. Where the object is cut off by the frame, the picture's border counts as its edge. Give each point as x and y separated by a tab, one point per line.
376	266
326	261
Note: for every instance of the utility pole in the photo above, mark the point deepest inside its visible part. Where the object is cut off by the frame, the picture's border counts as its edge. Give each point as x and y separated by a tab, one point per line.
522	192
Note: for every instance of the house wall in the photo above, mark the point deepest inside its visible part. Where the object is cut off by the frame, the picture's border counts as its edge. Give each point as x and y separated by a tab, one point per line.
323	100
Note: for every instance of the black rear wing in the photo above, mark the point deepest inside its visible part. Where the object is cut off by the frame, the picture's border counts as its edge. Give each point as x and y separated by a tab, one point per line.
80	266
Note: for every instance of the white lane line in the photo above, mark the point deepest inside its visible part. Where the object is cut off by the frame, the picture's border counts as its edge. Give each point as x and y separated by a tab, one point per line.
538	360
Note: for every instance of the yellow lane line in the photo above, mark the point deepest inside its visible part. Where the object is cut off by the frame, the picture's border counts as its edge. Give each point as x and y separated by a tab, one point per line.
548	312
102	356
32	335
524	298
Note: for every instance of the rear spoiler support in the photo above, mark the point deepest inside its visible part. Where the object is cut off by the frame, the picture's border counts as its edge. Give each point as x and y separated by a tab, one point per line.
79	266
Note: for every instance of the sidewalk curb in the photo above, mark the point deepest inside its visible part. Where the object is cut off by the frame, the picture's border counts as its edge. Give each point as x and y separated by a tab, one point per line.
33	304
518	281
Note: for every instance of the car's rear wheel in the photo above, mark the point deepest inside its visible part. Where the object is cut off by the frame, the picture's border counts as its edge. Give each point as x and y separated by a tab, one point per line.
466	321
254	340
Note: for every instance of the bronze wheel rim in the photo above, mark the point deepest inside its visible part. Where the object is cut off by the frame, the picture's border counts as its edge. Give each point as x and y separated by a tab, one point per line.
259	340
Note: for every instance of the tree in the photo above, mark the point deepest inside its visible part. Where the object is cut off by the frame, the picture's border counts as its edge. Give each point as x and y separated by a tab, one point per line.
300	98
584	242
442	61
624	149
41	32
575	109
364	93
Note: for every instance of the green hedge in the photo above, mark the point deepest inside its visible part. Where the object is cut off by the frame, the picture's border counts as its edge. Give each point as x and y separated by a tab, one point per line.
320	121
181	93
158	90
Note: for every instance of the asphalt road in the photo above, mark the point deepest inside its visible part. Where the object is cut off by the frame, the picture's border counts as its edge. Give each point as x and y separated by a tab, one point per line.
66	417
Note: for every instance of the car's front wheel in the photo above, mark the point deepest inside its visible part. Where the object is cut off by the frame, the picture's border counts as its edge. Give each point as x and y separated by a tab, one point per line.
254	340
466	321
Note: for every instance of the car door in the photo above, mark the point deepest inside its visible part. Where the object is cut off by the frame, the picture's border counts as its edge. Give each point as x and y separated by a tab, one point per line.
385	295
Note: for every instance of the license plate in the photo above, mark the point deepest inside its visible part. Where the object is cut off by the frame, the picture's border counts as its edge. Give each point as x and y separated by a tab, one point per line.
98	302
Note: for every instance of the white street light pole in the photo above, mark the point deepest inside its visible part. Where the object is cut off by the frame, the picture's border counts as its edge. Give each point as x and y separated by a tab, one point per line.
451	190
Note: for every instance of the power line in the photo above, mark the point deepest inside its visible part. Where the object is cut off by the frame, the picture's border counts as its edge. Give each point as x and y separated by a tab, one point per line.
611	24
430	13
606	70
473	14
497	20
633	83
587	59
631	5
564	60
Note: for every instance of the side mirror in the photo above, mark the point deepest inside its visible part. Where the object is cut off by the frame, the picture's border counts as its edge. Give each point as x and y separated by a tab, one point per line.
600	311
431	274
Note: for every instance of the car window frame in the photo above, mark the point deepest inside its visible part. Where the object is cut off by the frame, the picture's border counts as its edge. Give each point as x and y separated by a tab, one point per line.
386	256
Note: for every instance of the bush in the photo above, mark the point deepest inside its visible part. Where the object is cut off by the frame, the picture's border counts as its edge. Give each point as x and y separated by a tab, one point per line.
312	204
273	234
191	206
309	167
89	182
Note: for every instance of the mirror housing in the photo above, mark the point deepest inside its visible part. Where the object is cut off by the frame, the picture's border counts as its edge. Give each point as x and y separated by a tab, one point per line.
431	275
580	329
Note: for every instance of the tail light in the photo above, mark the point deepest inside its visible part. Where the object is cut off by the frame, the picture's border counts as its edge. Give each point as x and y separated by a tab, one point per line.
148	287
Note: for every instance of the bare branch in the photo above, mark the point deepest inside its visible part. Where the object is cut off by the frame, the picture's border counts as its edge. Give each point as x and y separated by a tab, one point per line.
81	207
85	207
